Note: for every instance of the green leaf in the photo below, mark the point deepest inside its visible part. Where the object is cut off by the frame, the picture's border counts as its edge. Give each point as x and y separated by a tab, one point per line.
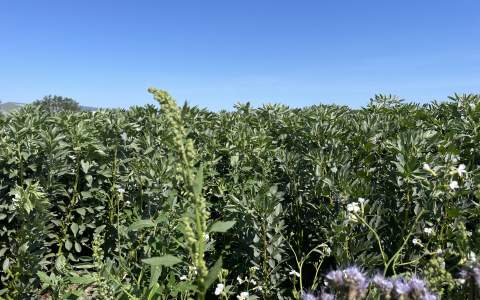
453	212
85	166
78	247
166	260
99	229
74	228
141	224
81	211
155	272
68	245
213	273
6	265
60	263
221	226
44	278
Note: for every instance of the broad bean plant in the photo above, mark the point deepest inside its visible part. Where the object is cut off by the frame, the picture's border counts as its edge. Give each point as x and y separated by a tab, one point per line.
178	202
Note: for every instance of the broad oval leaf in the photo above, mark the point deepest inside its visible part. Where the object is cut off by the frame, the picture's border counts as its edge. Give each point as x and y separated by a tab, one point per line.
222	226
166	260
141	224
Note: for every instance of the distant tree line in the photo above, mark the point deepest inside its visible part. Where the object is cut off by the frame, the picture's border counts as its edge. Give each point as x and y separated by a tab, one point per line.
54	103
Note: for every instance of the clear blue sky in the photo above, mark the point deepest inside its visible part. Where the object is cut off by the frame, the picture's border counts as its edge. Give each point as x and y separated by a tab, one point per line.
217	53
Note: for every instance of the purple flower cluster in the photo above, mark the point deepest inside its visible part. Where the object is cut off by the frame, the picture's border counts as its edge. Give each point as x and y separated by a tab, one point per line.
322	296
471	272
415	289
351	283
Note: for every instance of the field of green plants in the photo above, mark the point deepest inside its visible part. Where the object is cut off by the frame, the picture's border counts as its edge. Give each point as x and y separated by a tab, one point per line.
168	202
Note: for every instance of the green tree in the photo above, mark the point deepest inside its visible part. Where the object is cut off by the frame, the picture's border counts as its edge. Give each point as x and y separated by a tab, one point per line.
57	103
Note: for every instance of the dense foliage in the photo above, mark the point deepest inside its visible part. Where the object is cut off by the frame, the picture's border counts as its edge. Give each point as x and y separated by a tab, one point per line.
174	203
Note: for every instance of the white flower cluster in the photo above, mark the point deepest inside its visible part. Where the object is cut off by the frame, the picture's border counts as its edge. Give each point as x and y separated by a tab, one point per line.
453	185
461	170
294	273
417	242
355	208
243	296
219	289
427	168
428	230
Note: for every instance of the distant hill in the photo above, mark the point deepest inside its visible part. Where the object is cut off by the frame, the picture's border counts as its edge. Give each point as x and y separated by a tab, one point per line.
6	107
10	106
88	108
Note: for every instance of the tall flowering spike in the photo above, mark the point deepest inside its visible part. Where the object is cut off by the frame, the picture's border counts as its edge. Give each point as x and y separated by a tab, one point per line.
196	225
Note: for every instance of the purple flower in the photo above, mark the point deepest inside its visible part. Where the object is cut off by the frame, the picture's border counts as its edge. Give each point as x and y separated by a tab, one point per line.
401	287
463	274
385	285
307	296
429	296
326	296
476	275
355	277
335	278
417	286
354	274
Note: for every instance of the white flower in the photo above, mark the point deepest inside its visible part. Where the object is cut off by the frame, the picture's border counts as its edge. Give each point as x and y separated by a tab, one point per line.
454	185
353	218
183	277
254	268
121	191
295	273
207	237
328	251
219	289
240	281
439	251
243	296
127	203
428	230
253	282
461	170
416	241
353	207
472	256
427	168
361	200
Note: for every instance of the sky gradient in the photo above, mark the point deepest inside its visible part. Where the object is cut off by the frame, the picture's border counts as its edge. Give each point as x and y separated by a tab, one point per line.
217	53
